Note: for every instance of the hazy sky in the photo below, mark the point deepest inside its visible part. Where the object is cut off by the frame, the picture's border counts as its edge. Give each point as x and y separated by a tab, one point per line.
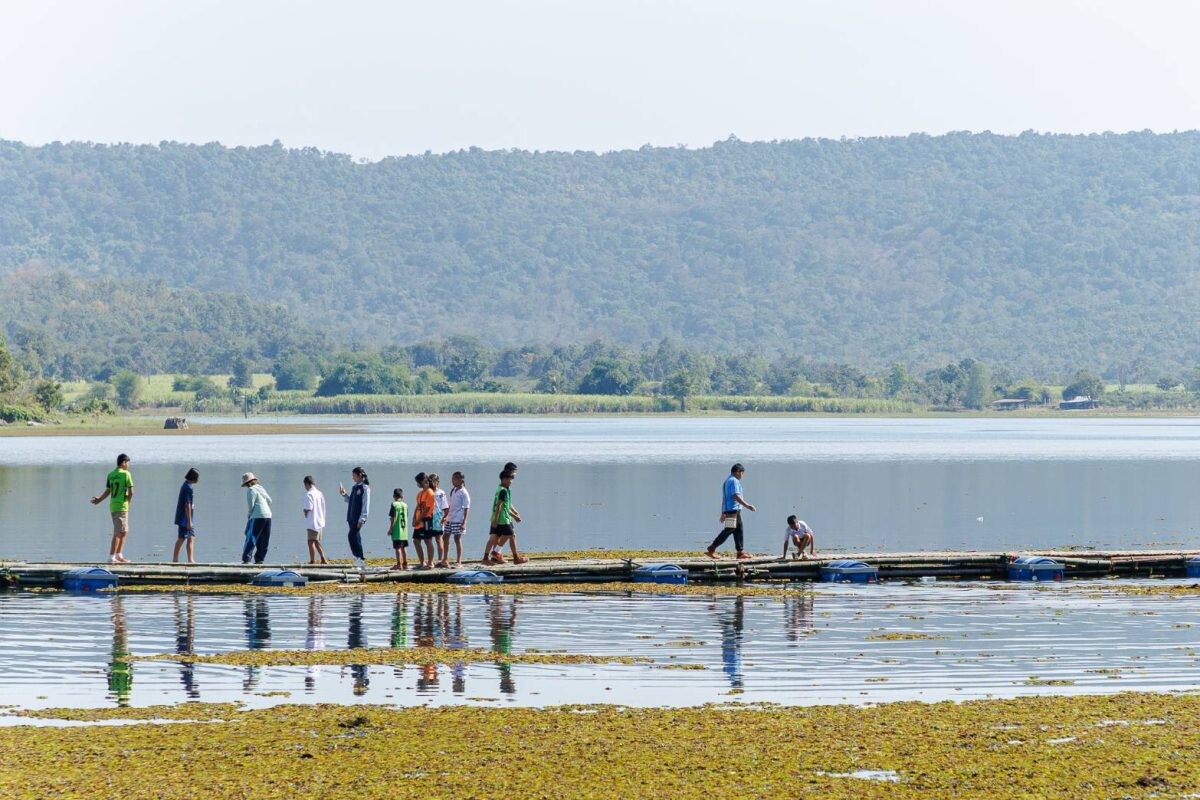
375	78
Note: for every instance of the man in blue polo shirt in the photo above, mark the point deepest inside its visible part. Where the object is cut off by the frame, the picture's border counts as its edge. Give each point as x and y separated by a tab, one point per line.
732	503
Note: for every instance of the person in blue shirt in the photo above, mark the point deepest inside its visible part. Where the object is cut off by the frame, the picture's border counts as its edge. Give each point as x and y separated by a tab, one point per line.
732	504
185	514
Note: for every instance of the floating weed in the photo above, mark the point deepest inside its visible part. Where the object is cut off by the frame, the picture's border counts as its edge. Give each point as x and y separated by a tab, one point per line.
387	655
902	636
1034	680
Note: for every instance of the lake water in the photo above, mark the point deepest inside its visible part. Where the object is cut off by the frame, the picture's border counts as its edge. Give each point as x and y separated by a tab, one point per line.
819	645
643	482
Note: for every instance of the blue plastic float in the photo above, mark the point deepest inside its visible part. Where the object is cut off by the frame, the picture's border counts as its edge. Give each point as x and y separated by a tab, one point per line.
89	579
279	577
1035	568
847	570
660	573
473	576
1193	567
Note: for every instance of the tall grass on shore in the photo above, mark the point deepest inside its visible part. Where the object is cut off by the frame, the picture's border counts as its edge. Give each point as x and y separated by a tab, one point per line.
481	403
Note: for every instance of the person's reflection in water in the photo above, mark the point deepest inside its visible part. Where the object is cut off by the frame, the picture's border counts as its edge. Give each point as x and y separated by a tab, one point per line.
400	628
731	640
185	641
258	634
502	616
120	670
456	638
356	637
425	629
798	615
314	639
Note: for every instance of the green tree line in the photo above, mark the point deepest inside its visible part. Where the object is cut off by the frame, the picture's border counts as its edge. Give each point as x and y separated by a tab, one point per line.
1034	253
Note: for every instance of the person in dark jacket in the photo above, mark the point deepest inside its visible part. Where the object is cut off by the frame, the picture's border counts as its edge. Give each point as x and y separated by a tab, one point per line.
358	506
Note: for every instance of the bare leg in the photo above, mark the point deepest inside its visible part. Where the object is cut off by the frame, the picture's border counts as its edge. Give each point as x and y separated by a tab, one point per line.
321	553
119	544
312	551
489	547
191	550
517	557
458	549
175	553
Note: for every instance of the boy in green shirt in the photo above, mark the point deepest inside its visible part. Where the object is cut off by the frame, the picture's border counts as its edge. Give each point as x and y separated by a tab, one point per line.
398	528
118	488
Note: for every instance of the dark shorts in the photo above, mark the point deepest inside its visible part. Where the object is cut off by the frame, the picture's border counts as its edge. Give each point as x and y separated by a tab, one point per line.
184	533
398	543
423	534
503	530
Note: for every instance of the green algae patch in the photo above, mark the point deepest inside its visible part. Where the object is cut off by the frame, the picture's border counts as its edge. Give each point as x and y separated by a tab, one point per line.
1068	747
420	656
903	636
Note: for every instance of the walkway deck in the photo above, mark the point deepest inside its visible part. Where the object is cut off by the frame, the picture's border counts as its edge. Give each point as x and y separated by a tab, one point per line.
892	566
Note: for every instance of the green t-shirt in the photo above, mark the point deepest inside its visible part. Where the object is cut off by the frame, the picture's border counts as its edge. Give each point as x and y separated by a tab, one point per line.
399	514
120	482
502	506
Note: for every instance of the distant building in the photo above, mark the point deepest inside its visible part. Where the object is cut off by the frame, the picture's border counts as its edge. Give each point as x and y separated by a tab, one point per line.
1010	404
1078	403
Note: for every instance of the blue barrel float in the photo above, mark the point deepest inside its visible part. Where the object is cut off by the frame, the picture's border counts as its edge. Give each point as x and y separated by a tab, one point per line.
1193	567
89	579
474	576
1035	568
660	573
279	577
847	570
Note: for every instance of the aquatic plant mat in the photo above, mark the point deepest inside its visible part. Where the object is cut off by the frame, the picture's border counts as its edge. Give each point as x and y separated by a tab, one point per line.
1126	745
390	655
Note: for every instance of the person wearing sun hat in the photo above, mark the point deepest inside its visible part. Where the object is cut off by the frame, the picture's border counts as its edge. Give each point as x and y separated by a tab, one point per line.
258	520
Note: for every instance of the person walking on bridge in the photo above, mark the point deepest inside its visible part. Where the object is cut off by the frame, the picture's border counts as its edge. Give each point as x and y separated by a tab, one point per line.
732	504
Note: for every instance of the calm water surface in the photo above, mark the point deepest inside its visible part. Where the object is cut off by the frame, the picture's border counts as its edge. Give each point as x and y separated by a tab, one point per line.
863	484
820	645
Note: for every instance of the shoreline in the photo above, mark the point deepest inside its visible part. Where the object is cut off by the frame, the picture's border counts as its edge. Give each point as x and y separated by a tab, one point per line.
152	425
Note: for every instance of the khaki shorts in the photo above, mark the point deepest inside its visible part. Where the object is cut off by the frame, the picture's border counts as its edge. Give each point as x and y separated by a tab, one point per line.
120	523
314	536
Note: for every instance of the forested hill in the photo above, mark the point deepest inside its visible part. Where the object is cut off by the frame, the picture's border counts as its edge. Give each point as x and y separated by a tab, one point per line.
1040	253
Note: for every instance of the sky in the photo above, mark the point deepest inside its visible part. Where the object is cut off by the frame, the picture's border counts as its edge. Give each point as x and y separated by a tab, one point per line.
375	78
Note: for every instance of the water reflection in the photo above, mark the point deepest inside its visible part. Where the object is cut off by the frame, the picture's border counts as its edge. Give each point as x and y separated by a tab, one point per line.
798	615
314	639
185	642
502	622
425	635
258	634
120	670
732	622
456	637
356	637
984	641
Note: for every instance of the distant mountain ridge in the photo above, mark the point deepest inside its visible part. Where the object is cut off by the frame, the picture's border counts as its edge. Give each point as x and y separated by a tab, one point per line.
1041	253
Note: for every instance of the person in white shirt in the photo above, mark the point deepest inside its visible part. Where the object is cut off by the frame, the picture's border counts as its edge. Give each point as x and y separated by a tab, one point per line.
459	510
314	519
798	533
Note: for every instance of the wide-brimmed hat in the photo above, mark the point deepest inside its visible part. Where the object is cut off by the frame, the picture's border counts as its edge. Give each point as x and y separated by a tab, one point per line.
247	477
